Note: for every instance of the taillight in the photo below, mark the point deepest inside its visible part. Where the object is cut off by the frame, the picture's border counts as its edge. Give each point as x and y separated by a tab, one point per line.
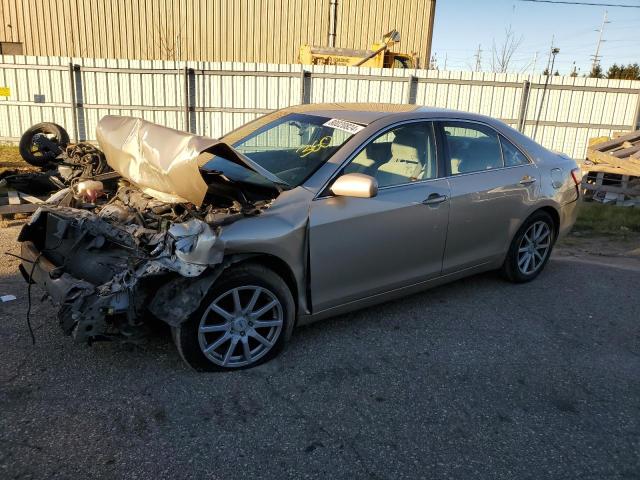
576	174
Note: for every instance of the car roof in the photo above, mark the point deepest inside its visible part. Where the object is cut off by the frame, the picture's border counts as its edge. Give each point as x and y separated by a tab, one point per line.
366	113
363	113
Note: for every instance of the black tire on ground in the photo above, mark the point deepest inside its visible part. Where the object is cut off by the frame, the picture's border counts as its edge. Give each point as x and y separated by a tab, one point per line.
186	335
57	141
510	269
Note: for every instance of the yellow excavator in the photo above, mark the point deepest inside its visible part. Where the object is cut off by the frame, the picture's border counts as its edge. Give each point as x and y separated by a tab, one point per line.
378	56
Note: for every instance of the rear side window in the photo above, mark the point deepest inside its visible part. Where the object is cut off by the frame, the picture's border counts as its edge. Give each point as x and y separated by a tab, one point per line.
512	156
472	147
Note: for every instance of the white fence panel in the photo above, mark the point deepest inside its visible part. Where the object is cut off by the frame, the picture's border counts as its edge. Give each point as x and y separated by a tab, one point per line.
213	98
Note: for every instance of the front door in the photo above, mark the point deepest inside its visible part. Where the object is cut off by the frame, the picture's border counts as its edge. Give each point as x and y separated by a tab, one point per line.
364	246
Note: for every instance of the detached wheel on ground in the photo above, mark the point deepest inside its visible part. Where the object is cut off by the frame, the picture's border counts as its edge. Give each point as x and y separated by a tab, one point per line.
41	144
530	249
246	319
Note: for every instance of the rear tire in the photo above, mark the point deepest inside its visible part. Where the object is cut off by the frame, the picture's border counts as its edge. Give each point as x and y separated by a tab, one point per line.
530	248
246	319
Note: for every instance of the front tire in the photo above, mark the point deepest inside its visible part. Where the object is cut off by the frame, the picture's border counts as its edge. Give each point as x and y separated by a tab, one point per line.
246	319
530	248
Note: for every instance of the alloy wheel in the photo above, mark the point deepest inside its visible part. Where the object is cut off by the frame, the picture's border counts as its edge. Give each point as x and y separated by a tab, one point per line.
240	326
534	247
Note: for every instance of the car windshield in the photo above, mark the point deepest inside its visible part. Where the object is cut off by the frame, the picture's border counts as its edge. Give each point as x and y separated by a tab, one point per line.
292	147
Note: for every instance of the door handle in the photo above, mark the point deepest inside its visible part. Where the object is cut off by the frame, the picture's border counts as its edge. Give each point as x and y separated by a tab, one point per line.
527	180
434	199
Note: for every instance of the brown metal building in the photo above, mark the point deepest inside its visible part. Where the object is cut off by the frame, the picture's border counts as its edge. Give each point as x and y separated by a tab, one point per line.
209	30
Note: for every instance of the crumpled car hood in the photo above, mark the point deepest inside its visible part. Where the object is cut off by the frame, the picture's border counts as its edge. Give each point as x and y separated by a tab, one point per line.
162	161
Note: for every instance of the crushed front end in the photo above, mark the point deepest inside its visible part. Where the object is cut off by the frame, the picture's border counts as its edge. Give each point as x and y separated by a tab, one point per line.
111	252
104	268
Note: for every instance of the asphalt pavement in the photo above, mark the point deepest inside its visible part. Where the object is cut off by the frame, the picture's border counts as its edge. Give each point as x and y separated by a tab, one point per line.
476	379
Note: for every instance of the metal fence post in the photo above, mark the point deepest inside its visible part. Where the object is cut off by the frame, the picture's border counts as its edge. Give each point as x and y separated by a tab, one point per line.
73	103
305	86
186	92
191	102
524	103
412	89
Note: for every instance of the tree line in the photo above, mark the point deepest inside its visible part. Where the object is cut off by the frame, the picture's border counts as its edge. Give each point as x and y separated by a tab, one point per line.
619	72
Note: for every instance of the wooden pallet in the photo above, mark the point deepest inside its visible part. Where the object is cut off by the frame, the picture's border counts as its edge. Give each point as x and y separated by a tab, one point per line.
13	202
606	187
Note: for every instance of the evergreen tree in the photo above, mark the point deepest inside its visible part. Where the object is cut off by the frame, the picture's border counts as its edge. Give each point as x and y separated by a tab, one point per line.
596	71
624	72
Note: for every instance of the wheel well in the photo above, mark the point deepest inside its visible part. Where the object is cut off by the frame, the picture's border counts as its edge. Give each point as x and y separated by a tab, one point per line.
553	213
280	267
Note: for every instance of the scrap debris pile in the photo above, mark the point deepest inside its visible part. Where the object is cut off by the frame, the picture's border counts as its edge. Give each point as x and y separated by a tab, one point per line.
612	170
46	146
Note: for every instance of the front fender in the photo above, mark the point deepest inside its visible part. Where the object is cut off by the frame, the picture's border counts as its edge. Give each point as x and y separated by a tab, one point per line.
178	298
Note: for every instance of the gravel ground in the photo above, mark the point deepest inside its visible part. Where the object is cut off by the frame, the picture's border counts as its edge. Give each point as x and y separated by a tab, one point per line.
477	379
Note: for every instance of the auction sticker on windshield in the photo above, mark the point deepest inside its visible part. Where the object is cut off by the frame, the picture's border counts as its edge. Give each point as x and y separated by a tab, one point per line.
343	125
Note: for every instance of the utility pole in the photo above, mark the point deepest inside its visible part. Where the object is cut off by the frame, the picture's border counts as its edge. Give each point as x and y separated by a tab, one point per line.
553	38
478	56
445	61
552	53
596	56
535	60
433	63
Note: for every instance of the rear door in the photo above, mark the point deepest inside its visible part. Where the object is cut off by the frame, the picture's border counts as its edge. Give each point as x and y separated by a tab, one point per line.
493	184
364	246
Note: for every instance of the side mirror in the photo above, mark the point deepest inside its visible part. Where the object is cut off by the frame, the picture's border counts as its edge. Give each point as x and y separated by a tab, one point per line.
355	185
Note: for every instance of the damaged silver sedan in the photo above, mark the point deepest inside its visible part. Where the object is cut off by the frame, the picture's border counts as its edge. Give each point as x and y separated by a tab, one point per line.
302	214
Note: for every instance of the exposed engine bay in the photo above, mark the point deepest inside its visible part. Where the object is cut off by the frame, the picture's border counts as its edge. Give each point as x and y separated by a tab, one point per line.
110	249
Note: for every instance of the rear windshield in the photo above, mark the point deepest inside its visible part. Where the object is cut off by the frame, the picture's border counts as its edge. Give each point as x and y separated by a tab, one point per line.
292	147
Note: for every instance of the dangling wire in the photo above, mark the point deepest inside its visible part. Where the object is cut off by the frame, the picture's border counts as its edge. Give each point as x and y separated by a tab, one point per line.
33	267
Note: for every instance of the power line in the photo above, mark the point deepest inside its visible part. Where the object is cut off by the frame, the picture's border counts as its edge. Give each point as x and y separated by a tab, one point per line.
590	4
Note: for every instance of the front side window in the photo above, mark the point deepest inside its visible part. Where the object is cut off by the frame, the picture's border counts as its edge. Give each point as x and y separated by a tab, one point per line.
472	147
292	146
401	155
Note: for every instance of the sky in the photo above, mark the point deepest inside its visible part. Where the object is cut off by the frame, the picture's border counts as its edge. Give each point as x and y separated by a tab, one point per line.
461	25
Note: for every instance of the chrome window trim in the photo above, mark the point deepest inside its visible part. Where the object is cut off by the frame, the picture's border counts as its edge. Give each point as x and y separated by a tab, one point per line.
408	184
489	170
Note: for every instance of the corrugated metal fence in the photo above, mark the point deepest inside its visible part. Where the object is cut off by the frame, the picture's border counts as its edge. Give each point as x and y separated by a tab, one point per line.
212	98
